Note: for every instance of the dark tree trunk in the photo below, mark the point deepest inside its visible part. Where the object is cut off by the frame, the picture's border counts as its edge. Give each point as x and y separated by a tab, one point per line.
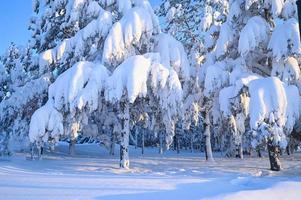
239	152
259	153
178	144
274	156
288	150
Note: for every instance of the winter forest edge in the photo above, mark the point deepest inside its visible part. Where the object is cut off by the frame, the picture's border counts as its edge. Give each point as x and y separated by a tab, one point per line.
210	76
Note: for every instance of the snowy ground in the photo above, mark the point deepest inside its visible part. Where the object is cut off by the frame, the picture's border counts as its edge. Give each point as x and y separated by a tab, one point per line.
92	174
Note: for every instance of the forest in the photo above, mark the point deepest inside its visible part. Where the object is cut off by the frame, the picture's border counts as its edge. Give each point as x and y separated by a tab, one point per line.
211	76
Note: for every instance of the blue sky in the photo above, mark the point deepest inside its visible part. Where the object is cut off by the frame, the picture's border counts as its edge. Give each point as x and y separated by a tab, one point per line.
14	18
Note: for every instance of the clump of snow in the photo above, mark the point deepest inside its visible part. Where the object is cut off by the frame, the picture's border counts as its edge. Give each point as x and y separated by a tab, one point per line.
45	123
275	6
207	19
130	77
289	9
78	86
254	33
287	70
172	54
285	39
216	77
136	24
224	40
267	95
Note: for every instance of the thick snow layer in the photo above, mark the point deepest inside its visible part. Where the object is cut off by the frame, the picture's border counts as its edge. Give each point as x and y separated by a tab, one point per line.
270	96
45	122
129	78
252	35
285	39
216	77
78	87
224	40
93	174
135	25
172	54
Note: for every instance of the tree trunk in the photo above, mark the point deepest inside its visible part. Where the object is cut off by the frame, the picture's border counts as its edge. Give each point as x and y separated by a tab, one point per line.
259	153
142	140
161	142
239	152
274	156
73	135
72	147
208	149
112	146
125	134
288	152
178	144
191	142
136	137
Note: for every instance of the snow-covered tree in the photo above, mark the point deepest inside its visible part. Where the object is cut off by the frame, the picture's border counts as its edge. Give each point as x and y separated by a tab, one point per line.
248	48
134	67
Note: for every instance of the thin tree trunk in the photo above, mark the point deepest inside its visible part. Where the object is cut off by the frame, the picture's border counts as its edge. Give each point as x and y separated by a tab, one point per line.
208	151
72	147
178	144
136	137
259	153
288	151
142	140
239	152
112	146
191	142
125	134
73	135
161	142
274	156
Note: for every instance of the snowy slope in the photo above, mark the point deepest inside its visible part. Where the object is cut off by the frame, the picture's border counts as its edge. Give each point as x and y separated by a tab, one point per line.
92	174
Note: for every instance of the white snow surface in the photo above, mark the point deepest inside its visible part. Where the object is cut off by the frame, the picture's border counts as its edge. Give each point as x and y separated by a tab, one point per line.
92	174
